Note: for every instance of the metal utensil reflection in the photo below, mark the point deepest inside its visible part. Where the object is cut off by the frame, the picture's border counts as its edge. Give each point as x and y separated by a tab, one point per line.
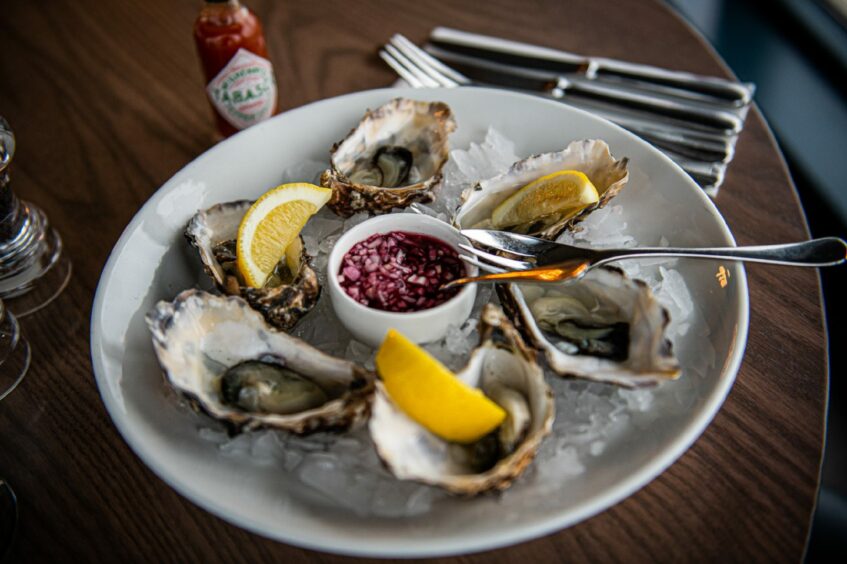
560	273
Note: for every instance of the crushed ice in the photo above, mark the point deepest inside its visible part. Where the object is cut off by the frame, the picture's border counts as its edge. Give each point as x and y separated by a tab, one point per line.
590	416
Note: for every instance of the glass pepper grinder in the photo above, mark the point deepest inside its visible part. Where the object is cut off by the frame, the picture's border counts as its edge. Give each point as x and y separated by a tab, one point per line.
14	353
33	270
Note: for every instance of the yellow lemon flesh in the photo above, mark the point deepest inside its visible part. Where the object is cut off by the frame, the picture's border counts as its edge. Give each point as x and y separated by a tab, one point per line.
432	395
271	224
566	193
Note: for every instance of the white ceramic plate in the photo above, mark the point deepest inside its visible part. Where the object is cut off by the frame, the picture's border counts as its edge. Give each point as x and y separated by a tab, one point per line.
151	262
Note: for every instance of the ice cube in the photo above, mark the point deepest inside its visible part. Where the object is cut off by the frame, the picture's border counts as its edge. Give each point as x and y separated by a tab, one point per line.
564	462
325	245
322	225
420	500
311	244
237	447
638	400
456	342
292	459
216	436
355	220
597	448
304	171
391	498
265	447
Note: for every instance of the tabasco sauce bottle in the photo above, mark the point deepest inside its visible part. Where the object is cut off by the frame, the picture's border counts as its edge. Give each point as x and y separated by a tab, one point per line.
240	81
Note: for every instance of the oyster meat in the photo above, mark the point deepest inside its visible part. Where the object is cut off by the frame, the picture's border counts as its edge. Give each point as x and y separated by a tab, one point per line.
391	159
591	157
606	327
291	290
506	371
221	354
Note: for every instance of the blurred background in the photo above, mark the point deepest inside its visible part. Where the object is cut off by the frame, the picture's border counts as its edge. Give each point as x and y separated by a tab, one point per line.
795	51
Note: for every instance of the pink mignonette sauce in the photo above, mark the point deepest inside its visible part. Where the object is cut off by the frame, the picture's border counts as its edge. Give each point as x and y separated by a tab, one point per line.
400	271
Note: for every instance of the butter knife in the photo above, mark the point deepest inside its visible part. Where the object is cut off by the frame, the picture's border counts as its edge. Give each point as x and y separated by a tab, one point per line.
650	79
720	120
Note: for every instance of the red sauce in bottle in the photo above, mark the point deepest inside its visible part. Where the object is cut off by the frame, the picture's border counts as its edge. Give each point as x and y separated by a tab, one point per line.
240	82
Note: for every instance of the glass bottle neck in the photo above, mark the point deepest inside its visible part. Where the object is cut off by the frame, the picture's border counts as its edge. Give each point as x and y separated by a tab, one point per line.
223	13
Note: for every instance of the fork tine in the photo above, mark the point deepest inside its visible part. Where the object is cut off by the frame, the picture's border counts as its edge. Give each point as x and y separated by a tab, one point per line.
411	67
401	70
432	62
511	264
420	65
429	64
481	265
508	239
514	243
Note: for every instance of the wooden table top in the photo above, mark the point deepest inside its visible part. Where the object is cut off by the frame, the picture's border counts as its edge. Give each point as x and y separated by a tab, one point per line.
107	102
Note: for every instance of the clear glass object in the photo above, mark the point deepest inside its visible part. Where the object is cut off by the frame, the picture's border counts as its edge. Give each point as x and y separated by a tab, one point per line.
14	352
33	270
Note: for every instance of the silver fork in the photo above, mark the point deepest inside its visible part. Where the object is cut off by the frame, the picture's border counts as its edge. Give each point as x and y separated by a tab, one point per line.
554	262
702	153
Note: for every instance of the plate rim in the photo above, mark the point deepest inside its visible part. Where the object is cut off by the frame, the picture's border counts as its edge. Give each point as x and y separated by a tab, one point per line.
688	435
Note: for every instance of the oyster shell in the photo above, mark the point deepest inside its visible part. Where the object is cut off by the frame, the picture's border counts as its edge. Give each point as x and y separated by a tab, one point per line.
506	370
391	159
285	298
590	156
606	327
206	344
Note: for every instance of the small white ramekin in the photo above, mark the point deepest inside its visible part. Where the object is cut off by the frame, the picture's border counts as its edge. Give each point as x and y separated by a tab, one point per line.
370	325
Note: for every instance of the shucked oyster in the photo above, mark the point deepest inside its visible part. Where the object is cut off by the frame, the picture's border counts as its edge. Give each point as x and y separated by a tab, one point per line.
506	371
591	157
290	292
221	355
391	159
606	327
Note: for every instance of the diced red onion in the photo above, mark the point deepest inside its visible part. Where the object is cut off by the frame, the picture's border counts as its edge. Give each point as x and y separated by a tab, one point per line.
400	271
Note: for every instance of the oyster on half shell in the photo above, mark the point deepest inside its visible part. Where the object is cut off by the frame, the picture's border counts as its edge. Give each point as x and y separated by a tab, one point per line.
506	371
393	158
591	157
606	327
290	292
221	354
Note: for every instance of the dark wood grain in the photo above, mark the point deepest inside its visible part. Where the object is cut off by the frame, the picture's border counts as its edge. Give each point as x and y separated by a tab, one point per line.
107	102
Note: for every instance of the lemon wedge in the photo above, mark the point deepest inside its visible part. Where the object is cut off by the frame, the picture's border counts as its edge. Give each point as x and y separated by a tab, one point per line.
271	224
432	395
566	192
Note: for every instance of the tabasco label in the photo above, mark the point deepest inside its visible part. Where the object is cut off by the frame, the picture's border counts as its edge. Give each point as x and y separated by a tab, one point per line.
244	92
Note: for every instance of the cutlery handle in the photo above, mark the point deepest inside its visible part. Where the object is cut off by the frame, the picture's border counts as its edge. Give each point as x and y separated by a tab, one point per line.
739	94
827	251
562	62
718	120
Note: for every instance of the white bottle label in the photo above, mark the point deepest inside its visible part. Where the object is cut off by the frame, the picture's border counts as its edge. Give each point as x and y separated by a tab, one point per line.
244	92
